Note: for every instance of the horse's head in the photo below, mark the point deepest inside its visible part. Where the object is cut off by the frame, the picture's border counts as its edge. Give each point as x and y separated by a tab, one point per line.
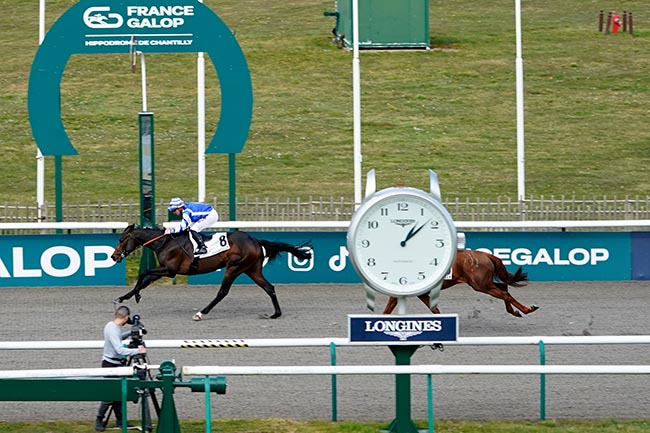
126	245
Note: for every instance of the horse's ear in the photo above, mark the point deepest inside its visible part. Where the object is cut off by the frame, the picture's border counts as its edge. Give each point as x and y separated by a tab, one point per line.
129	228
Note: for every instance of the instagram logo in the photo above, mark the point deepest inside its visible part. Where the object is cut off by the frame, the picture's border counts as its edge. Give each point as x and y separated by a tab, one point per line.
298	265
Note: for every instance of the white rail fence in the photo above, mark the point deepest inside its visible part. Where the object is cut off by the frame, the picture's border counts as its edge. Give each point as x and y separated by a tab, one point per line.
337	225
554	207
233	343
429	369
66	372
292	370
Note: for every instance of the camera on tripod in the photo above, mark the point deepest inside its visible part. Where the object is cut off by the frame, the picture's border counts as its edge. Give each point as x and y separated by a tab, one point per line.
138	331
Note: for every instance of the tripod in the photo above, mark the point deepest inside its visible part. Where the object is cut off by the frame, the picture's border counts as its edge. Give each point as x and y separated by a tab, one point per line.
145	394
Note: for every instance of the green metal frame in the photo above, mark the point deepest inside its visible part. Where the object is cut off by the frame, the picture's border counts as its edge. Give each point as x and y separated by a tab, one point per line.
114	389
147	183
69	389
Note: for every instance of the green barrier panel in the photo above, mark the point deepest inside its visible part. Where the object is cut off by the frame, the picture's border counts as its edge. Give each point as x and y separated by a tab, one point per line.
68	389
112	389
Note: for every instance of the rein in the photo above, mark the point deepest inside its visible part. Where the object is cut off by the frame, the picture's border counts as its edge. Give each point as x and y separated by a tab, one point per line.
153	240
189	254
126	253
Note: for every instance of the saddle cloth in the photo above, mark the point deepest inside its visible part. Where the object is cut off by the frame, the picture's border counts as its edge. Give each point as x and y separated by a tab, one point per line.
215	244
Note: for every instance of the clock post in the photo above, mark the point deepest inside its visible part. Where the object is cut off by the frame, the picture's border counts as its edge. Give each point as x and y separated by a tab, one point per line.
402	243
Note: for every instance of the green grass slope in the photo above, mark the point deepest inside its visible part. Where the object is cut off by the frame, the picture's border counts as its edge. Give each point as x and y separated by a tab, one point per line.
451	109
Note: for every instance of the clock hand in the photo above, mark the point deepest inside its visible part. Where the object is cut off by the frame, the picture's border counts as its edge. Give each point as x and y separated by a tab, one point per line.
409	235
412	233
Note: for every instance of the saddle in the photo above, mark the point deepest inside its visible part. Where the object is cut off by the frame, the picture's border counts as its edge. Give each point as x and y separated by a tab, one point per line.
215	243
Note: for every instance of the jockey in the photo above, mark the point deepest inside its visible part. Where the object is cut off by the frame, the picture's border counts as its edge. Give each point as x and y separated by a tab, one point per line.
196	217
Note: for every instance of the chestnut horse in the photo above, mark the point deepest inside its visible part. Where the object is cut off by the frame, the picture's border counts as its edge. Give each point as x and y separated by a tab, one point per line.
479	270
174	251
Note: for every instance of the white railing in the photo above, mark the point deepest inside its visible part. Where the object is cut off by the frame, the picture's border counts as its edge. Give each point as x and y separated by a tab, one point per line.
66	372
541	341
232	343
560	224
412	369
539	208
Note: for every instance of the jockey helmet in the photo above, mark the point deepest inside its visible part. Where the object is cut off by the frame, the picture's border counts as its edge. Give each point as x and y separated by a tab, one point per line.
175	203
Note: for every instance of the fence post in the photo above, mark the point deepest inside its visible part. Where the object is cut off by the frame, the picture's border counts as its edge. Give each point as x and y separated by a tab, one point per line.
601	15
208	411
430	401
542	383
333	362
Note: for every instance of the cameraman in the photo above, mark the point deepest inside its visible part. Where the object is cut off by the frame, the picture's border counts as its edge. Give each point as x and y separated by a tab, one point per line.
115	353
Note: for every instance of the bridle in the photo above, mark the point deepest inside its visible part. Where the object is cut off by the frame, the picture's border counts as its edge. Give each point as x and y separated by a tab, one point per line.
124	253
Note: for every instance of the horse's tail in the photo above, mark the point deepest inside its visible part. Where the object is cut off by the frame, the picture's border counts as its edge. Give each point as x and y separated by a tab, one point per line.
518	279
273	249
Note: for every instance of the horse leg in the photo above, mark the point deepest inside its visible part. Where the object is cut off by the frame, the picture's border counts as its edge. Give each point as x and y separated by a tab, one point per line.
392	303
510	301
226	284
144	280
509	307
426	300
269	289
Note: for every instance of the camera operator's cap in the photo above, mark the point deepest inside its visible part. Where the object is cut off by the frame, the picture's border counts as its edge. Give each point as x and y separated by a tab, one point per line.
175	203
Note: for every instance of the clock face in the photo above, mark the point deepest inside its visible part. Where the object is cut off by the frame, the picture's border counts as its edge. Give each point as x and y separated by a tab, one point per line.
402	242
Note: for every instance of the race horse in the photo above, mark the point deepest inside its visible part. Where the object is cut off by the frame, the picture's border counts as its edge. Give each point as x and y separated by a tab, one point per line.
174	251
484	273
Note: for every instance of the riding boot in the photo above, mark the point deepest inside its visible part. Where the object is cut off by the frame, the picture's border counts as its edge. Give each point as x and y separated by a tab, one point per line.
200	245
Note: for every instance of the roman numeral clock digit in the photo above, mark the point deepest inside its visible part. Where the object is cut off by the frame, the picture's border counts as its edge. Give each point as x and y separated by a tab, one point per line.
401	240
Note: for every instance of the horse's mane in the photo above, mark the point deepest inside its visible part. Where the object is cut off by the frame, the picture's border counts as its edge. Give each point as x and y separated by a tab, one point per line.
136	226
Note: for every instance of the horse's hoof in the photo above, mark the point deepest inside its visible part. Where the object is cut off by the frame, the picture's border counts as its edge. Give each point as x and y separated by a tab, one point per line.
117	301
275	315
533	308
137	298
198	316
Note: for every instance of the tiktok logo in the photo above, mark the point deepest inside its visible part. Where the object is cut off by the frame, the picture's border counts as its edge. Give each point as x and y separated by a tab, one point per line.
338	261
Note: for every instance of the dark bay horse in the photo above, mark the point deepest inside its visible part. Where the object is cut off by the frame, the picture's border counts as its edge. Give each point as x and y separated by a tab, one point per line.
175	257
484	273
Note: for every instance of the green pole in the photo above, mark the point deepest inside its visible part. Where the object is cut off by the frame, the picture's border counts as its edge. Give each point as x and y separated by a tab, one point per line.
143	414
147	183
403	422
542	383
168	419
208	411
124	415
334	392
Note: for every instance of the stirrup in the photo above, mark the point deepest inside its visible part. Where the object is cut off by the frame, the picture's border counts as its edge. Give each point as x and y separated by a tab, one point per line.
201	250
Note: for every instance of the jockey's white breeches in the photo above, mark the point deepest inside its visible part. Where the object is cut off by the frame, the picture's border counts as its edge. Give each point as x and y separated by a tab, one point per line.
206	222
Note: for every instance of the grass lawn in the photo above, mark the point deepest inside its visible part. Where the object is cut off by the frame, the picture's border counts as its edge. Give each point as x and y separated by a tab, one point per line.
451	109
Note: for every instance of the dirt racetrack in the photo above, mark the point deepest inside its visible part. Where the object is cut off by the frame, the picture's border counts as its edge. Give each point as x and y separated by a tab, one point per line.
612	308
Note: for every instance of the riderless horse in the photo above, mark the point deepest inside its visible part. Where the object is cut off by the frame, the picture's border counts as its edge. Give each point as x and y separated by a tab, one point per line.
484	273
